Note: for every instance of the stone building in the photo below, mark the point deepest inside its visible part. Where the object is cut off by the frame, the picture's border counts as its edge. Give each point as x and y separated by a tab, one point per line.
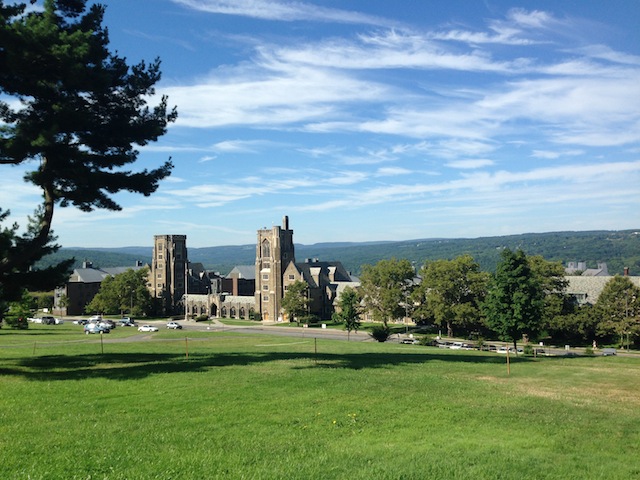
256	291
274	252
167	278
83	284
325	281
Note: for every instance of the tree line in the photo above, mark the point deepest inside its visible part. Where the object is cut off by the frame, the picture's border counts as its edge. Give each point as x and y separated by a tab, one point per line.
525	298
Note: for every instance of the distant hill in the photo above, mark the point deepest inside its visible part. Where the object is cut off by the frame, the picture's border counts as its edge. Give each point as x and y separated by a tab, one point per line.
618	249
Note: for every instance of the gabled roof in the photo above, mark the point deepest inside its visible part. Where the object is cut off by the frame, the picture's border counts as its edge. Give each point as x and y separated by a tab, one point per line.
97	275
330	272
247	272
87	275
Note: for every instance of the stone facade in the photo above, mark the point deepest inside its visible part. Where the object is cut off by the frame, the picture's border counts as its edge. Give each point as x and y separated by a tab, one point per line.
274	252
257	291
169	271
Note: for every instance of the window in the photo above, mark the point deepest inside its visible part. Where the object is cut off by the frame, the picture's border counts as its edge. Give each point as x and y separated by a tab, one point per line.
265	276
266	265
265	298
159	256
265	287
266	248
292	277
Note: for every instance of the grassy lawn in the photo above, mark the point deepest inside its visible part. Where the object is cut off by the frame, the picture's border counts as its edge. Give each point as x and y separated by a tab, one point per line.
223	405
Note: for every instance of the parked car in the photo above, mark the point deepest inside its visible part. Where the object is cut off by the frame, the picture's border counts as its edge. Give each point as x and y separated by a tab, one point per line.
409	341
126	322
110	324
174	325
80	322
95	328
50	320
607	352
95	318
147	328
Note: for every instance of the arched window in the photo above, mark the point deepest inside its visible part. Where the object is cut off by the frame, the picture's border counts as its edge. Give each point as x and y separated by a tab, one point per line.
242	312
266	249
232	313
223	312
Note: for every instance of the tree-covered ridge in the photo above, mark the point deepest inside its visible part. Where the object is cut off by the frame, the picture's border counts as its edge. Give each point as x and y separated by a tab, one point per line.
618	249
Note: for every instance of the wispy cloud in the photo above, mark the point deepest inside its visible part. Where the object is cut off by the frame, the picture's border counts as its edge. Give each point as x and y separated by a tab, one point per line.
286	11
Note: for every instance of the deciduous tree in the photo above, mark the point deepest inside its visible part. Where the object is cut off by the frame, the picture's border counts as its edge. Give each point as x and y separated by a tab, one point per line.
125	292
74	113
618	309
515	301
385	288
295	302
348	310
451	292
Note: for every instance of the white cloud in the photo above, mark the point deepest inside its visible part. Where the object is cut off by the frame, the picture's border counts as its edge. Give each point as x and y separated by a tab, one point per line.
470	164
287	11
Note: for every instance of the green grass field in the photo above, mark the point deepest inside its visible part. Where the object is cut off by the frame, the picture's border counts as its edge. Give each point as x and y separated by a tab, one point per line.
222	405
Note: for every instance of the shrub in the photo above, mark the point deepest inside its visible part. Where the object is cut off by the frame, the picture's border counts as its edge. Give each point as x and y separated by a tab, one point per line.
309	319
528	349
19	323
428	341
380	333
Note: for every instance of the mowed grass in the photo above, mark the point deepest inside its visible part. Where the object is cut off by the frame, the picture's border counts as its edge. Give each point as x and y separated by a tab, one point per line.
220	405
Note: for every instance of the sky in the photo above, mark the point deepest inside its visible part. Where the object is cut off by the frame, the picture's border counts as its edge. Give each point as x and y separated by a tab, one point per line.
377	120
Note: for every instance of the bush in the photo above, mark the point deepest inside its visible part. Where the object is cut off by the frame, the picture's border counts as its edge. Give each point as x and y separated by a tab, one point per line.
309	319
201	318
428	341
19	323
528	349
380	333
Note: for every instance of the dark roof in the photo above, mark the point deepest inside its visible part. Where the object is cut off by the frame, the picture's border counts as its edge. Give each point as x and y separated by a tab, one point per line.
97	275
311	269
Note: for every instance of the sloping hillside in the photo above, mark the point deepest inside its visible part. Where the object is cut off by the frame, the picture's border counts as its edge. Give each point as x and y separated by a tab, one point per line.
618	249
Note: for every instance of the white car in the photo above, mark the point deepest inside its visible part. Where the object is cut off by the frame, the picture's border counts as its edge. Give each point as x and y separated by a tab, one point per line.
147	328
174	325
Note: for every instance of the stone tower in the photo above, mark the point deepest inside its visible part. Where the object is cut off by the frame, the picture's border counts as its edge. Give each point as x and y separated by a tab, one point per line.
168	270
274	252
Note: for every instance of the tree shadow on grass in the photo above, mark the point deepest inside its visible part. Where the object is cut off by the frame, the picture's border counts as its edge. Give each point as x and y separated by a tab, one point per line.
132	366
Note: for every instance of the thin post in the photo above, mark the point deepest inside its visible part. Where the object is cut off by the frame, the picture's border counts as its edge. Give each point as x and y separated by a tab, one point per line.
508	362
186	346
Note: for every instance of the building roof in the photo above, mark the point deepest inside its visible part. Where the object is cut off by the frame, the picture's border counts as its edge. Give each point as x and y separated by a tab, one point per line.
575	267
247	272
589	288
97	275
333	272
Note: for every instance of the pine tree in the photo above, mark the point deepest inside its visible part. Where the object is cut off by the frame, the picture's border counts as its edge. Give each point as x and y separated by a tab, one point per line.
77	113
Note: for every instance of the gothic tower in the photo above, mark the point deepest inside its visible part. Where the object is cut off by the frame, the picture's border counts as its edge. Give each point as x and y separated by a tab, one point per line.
274	252
168	270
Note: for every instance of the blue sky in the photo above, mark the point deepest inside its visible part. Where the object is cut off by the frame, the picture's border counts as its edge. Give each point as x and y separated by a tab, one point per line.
372	120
